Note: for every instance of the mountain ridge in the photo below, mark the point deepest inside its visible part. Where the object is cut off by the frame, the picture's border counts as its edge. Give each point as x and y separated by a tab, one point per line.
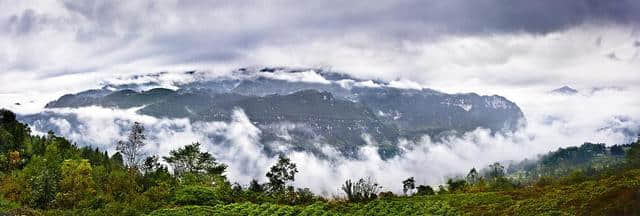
327	107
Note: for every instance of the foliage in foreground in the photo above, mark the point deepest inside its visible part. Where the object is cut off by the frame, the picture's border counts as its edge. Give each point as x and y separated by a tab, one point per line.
610	195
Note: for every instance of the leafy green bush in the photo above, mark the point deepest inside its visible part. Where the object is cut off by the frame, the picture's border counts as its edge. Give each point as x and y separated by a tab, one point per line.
185	210
196	195
6	205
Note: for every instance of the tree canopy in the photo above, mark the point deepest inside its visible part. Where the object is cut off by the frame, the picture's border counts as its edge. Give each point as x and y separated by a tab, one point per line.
190	159
281	173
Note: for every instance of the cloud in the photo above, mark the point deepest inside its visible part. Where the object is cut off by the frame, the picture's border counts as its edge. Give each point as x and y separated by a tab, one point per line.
306	76
484	64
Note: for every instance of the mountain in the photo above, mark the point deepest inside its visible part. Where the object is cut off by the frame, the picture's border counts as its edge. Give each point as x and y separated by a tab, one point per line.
317	106
565	90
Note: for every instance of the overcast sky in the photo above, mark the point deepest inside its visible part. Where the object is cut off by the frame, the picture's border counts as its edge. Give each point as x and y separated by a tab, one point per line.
451	45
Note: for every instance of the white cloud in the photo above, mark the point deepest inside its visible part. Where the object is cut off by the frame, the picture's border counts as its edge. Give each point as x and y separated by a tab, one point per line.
405	84
305	76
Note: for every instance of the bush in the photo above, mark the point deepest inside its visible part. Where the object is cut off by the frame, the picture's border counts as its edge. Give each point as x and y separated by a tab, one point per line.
364	189
386	194
6	205
501	184
576	176
424	190
186	210
159	194
544	181
456	185
196	195
304	196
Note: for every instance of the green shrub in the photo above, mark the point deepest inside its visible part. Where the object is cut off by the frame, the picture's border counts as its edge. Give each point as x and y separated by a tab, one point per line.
6	205
196	195
185	210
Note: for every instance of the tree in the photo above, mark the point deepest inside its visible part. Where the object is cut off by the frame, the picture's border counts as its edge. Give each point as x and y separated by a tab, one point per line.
472	176
442	190
14	160
455	185
7	117
196	195
151	164
189	159
633	155
40	182
304	196
363	190
408	185
236	188
284	171
496	170
617	150
501	184
255	186
121	184
132	148
117	159
76	185
155	173
12	133
425	190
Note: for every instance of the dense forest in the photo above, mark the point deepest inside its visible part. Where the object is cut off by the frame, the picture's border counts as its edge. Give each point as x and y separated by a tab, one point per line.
49	175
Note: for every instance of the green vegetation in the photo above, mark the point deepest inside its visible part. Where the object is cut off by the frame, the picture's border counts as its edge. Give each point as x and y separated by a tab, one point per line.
48	175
